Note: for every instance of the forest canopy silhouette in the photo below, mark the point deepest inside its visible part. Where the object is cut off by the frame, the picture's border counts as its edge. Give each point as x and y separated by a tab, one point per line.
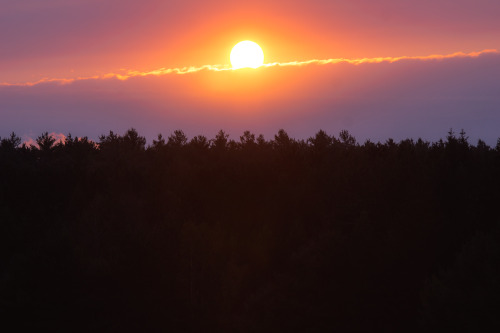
249	235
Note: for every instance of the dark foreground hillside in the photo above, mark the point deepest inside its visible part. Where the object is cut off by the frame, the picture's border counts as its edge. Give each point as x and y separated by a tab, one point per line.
324	235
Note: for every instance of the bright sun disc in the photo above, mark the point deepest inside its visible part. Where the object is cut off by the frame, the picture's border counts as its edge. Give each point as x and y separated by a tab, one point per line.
246	54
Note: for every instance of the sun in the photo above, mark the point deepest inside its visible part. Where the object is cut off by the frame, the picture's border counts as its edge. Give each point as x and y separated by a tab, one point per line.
246	54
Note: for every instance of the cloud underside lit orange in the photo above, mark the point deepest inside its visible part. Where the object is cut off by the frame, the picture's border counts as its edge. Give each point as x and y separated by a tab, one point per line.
218	68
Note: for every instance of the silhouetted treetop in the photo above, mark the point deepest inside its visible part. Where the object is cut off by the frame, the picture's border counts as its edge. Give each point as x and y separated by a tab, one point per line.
177	139
346	138
10	143
45	142
200	142
133	140
321	141
220	141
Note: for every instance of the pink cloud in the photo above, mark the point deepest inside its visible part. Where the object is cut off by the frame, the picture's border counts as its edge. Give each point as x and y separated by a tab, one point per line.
29	141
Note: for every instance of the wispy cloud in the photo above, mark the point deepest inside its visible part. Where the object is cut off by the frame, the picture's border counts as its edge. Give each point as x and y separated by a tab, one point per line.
380	59
218	68
30	141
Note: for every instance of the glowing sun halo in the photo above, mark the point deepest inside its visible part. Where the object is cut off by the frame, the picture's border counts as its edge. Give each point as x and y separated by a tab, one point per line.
246	54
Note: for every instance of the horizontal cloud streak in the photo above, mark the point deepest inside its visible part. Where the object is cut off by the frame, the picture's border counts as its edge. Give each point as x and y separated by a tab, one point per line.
219	68
380	59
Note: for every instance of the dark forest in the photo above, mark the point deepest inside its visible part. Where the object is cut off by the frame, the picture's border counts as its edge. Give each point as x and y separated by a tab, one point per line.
249	235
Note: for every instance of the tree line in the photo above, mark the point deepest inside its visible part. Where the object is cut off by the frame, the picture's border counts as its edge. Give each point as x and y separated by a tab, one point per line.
189	235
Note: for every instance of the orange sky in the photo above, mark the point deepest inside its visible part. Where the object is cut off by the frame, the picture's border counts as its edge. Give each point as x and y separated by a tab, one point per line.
83	38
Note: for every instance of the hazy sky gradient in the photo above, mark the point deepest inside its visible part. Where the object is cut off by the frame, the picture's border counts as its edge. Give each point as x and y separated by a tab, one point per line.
411	98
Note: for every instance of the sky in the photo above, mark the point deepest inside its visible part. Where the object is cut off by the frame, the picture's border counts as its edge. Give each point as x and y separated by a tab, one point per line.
380	69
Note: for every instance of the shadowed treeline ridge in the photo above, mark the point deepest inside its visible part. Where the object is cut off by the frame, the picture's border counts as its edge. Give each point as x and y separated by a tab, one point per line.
255	235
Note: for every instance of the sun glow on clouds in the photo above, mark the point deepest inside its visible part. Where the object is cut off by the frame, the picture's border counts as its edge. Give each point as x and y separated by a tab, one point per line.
218	68
59	138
